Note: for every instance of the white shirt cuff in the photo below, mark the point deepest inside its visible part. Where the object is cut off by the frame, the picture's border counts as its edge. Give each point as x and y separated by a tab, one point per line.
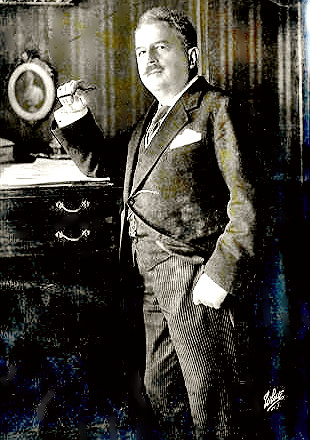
64	118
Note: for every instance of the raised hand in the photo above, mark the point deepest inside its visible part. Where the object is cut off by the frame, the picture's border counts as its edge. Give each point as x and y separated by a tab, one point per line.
72	95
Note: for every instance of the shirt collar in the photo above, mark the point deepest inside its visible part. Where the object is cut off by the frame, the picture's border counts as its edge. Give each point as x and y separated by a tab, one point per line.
173	100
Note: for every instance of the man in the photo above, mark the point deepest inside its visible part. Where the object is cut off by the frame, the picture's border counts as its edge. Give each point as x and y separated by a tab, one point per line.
189	214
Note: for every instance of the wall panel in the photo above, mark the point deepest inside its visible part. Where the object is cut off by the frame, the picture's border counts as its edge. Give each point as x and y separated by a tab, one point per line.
253	50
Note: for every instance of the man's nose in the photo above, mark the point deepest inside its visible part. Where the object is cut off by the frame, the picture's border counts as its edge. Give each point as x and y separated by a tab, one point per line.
151	56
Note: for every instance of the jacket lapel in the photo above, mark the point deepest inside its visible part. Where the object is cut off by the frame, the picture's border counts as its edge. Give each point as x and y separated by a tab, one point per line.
177	118
174	122
133	150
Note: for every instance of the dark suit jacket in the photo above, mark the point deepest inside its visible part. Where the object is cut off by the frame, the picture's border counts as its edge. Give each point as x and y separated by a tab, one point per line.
191	188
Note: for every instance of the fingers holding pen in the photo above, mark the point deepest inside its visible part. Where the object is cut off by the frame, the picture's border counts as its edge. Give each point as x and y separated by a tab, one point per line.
70	87
72	95
70	99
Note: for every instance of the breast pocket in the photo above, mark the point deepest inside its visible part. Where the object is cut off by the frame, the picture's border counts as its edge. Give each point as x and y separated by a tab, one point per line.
186	138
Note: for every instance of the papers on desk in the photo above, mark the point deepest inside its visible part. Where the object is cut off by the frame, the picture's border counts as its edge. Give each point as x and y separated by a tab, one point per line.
6	150
42	172
5	142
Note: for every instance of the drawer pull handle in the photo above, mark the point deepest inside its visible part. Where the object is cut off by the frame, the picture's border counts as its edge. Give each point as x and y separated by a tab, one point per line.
84	205
85	233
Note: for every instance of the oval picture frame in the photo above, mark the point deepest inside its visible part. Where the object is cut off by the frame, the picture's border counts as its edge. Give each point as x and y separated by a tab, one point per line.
31	91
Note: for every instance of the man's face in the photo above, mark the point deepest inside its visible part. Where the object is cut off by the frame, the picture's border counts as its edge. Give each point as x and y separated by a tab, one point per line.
162	60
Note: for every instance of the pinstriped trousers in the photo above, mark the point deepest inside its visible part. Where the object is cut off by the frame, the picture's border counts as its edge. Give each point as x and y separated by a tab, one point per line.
191	368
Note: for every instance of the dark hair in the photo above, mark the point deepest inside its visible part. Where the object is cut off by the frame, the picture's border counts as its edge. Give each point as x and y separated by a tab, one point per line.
175	19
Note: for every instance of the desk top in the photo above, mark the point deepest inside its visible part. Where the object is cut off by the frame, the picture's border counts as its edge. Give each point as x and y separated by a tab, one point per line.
42	171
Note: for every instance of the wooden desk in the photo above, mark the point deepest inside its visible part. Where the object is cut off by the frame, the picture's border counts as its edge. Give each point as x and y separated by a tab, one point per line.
61	371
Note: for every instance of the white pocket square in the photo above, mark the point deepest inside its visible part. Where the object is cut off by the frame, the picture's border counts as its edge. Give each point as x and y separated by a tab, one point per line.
187	137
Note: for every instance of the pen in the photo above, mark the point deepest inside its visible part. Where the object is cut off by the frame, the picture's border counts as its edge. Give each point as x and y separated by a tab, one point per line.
88	89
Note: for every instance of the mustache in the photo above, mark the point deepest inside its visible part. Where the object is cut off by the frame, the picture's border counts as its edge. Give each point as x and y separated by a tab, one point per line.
150	69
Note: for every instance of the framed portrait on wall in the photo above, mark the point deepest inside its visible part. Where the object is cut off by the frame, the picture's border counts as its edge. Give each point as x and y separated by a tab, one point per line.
31	90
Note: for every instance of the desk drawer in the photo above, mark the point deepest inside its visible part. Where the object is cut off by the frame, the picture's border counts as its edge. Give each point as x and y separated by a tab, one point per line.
50	220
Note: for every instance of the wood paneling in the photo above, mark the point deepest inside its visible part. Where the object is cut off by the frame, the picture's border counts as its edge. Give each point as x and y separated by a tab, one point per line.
254	50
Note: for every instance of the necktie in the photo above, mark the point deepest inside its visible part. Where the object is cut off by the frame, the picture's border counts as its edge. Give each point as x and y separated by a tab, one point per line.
155	124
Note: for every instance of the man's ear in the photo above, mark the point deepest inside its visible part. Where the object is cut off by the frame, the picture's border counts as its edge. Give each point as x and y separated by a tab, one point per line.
193	56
